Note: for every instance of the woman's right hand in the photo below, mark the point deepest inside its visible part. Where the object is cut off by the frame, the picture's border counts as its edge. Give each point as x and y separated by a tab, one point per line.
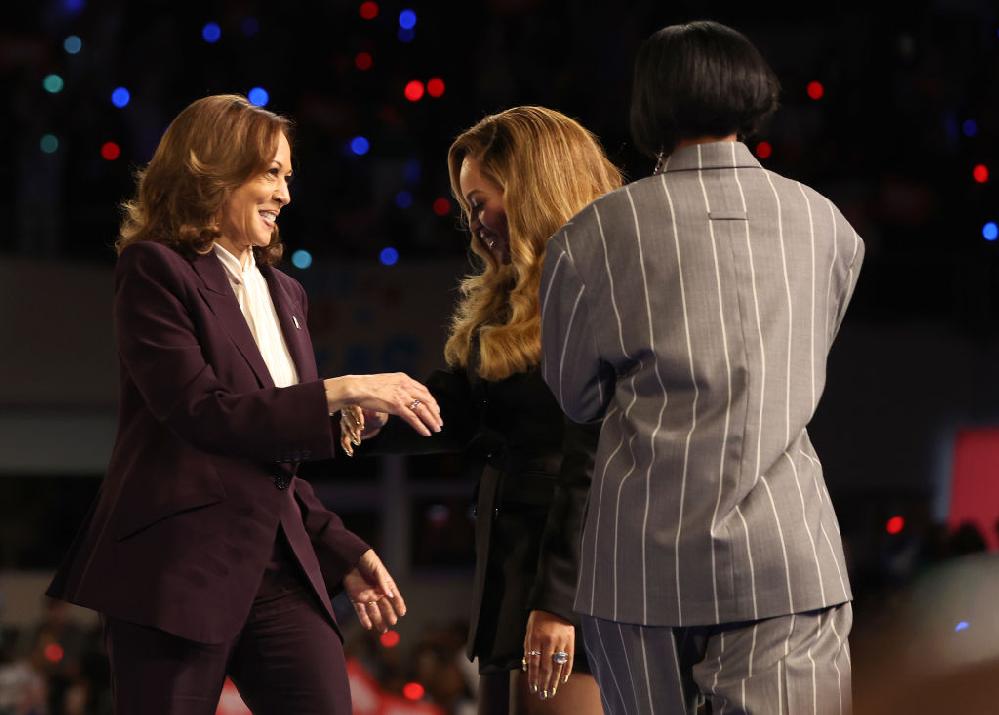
395	393
358	424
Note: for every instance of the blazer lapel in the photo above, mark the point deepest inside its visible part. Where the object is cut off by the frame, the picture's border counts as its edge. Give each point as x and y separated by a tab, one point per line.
220	297
296	334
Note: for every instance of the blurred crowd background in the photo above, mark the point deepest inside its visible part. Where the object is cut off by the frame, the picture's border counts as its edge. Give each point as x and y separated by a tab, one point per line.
891	111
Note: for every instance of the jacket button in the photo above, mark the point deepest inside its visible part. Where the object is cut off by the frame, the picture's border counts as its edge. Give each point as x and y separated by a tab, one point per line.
496	512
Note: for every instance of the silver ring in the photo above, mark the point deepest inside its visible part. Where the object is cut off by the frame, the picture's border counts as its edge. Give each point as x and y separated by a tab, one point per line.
414	404
533	653
561	657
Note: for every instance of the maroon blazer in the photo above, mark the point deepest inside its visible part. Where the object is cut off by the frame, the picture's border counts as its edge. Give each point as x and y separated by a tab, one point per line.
204	462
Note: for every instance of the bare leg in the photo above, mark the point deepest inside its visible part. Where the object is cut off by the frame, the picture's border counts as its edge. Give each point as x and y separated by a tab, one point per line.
579	696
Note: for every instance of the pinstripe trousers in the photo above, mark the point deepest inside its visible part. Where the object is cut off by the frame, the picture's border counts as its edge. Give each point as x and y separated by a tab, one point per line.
797	664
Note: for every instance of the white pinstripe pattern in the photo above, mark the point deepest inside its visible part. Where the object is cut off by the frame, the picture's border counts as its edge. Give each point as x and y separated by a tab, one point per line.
600	500
804	521
822	527
620	487
610	280
568	332
645	664
627	664
832	264
783	545
610	665
811	316
839	673
554	276
721	654
728	383
693	409
662	409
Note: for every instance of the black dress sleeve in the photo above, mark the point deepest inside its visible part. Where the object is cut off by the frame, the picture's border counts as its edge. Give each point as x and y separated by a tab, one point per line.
558	561
453	393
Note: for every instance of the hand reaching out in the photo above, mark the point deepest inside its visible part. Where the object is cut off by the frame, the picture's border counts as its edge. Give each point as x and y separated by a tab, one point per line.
373	593
358	424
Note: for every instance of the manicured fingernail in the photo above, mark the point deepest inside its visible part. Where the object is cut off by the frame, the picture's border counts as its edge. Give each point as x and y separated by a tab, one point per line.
565	679
534	688
544	694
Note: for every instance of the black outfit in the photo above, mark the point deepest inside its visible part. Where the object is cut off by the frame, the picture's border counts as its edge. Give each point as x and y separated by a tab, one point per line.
535	475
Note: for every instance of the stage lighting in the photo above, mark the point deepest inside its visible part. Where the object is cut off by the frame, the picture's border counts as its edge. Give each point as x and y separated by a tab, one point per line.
72	44
258	97
360	146
301	259
53	84
49	143
389	256
413	90
120	97
407	19
211	32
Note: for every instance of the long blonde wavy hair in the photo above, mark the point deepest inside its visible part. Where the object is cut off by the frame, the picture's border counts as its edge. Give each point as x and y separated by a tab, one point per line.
548	167
216	144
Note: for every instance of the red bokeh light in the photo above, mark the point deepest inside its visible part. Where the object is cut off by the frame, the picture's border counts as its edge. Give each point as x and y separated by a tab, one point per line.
764	150
110	151
815	89
435	87
389	639
442	207
369	10
895	525
413	691
414	90
363	61
54	653
981	173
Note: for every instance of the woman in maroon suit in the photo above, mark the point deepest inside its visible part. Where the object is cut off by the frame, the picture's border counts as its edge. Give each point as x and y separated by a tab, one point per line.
204	553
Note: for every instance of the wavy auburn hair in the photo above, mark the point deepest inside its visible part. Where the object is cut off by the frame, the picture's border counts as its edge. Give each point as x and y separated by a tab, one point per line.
210	149
548	167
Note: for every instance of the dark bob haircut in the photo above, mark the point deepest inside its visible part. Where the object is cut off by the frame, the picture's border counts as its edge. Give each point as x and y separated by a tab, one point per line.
698	79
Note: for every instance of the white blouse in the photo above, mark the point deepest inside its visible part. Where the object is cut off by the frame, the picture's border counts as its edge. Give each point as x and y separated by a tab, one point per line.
257	306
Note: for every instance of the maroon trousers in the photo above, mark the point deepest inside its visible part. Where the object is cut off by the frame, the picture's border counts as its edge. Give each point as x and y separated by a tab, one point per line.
287	658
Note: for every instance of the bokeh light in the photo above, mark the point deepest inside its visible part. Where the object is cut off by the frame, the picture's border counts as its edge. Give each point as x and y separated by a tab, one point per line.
250	26
413	90
110	151
961	626
390	639
120	97
363	61
413	691
53	84
815	90
435	86
72	44
360	146
368	10
49	143
406	35
442	206
764	150
895	525
211	32
54	653
407	19
258	97
980	173
301	259
969	127
389	256
404	199
990	231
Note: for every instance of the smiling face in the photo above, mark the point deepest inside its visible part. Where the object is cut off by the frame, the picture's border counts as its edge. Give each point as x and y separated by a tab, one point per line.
486	210
250	214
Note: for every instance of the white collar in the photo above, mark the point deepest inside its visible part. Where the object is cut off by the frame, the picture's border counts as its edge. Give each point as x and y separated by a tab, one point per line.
232	265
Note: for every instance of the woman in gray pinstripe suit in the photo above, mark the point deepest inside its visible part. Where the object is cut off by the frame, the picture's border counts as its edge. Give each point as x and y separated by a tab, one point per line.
693	312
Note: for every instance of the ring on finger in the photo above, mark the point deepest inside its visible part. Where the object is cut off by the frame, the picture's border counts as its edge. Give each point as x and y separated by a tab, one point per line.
414	404
533	653
560	657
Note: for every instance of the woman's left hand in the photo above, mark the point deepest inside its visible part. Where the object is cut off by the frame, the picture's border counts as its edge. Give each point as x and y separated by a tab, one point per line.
357	424
373	593
547	635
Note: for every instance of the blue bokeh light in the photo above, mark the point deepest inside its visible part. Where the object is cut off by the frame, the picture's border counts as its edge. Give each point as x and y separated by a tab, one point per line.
301	259
72	7
406	35
258	97
404	199
969	127
412	171
72	44
962	626
990	231
120	97
407	19
211	32
53	84
389	256
360	146
49	143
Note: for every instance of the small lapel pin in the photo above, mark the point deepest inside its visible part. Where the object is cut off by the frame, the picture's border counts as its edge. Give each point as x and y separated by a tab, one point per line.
295	321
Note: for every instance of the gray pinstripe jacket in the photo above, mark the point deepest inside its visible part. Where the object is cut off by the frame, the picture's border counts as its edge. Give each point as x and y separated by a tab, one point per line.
693	311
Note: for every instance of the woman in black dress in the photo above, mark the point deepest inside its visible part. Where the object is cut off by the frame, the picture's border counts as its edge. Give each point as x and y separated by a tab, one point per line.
518	176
